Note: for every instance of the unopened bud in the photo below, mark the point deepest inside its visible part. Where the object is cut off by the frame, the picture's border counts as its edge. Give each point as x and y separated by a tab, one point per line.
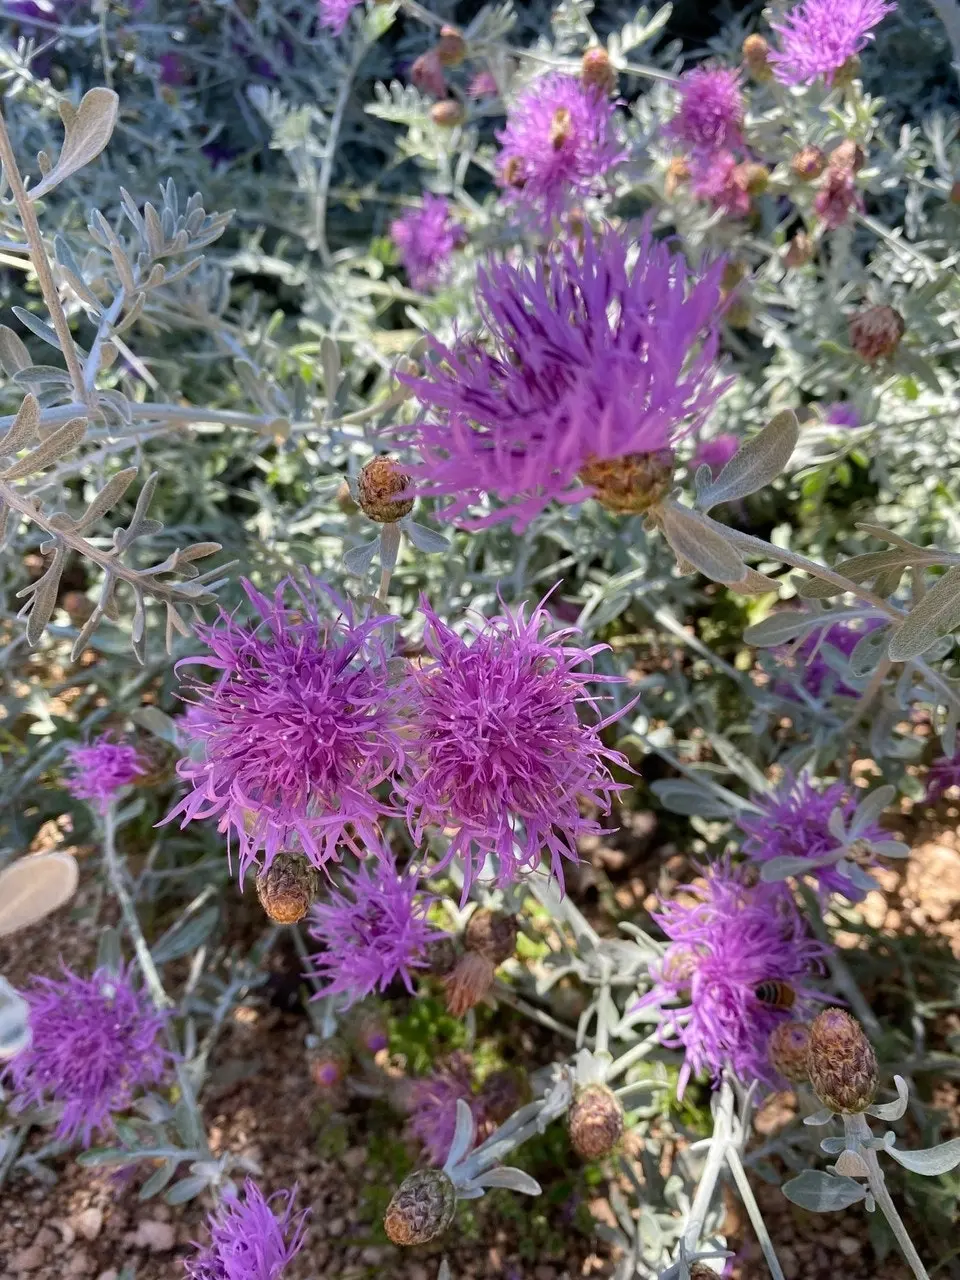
378	484
799	251
595	1122
841	1062
468	983
848	155
422	1208
876	332
345	499
756	53
787	1050
632	484
560	127
427	74
448	113
678	171
287	887
451	47
329	1063
808	164
596	71
700	1271
752	177
954	196
503	1093
492	934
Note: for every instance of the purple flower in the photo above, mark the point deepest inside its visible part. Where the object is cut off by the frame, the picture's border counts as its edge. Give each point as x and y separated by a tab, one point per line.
585	356
727	937
818	676
841	414
716	452
94	1043
558	143
372	931
710	115
335	13
100	770
173	69
296	730
794	823
250	1239
502	756
818	36
426	238
483	85
717	178
432	1103
941	776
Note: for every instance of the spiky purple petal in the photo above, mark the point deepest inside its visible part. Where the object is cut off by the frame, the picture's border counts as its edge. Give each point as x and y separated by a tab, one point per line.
818	36
251	1238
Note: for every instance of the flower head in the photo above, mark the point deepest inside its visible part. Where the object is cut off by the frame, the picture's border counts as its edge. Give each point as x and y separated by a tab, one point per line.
728	939
587	356
841	414
942	775
558	143
294	733
502	757
794	823
716	452
842	1062
372	931
432	1104
718	178
710	115
251	1238
837	197
426	238
94	1043
335	13
101	769
818	36
818	676
483	85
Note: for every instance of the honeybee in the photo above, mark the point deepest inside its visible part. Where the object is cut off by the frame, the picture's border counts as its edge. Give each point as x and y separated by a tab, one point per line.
778	995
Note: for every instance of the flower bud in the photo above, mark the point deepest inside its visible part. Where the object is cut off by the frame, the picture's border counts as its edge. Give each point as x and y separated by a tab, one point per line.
845	75
632	484
469	981
787	1050
448	113
427	74
329	1063
848	155
799	251
755	52
752	177
678	171
876	332
700	1271
492	934
441	956
378	484
502	1093
451	48
836	198
595	1122
808	164
596	71
287	887
841	1062
422	1208
345	499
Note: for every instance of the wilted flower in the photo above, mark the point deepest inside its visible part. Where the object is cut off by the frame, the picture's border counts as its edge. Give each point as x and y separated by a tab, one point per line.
942	775
808	163
718	178
799	251
288	887
842	1062
837	197
875	332
334	13
729	939
421	1209
818	36
716	452
296	731
794	823
502	756
101	769
426	238
451	47
595	1122
593	356
558	143
372	931
710	115
94	1043
252	1238
432	1103
379	486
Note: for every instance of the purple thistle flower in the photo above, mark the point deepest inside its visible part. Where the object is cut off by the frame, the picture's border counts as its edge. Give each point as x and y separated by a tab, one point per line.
371	931
432	1103
250	1239
818	676
426	238
335	13
717	178
100	770
94	1043
794	823
841	414
942	775
558	143
710	115
818	36
296	731
716	452
729	937
586	356
502	756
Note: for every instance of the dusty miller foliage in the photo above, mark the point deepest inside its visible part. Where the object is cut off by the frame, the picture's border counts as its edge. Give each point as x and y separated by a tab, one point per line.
225	371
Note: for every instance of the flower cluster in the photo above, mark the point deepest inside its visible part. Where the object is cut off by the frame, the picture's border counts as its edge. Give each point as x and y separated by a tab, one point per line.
817	37
251	1237
593	356
426	238
709	124
94	1043
101	769
739	961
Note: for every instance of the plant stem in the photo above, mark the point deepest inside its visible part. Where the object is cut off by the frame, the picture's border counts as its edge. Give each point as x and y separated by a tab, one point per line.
857	1126
330	151
722	1133
753	1211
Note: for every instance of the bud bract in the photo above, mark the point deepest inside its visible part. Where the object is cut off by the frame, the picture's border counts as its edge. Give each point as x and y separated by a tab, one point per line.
422	1208
595	1122
841	1062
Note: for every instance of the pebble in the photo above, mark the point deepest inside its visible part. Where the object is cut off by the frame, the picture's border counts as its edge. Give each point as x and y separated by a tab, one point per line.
158	1237
110	1274
45	1238
88	1223
81	1264
27	1260
335	1227
849	1245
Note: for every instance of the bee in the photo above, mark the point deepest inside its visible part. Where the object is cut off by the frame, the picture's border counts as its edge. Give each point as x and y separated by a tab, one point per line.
778	995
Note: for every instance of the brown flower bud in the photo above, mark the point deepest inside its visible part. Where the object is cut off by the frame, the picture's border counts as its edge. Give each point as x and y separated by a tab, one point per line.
448	113
632	484
678	171
560	127
752	177
422	1208
596	71
848	155
756	52
345	499
502	1093
700	1271
441	956
787	1050
595	1122
470	980
451	48
876	332
808	164
954	196
799	251
841	1062
287	887
427	74
378	484
329	1063
492	934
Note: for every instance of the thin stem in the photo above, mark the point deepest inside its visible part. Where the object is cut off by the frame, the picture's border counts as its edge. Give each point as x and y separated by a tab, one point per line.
330	151
636	1054
753	1211
856	1125
507	996
38	254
